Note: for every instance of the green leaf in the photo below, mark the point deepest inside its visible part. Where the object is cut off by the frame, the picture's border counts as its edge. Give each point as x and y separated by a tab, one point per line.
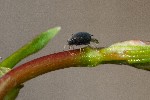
32	47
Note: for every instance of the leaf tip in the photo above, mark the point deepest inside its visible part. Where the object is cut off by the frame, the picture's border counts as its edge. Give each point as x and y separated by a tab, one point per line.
58	28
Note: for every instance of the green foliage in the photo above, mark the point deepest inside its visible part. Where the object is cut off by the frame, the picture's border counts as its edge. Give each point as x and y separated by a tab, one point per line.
32	47
133	53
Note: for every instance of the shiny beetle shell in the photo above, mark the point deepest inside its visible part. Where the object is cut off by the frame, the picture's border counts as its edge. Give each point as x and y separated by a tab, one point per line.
80	38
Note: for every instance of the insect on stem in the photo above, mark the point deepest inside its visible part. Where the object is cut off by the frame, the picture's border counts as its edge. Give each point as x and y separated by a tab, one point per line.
81	38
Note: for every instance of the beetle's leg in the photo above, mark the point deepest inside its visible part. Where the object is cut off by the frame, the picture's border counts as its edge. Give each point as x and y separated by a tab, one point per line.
65	47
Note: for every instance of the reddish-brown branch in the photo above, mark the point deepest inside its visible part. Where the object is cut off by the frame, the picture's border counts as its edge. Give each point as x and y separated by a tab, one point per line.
37	67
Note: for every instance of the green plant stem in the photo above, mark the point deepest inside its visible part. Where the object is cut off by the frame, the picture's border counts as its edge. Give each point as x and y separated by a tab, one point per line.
37	67
13	93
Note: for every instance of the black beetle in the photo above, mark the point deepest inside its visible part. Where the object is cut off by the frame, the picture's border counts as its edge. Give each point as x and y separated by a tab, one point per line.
81	38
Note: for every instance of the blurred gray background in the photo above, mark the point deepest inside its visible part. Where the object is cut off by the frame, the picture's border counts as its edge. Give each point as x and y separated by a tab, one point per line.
110	21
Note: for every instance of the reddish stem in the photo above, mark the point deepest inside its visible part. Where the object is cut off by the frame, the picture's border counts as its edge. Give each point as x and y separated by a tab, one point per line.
37	67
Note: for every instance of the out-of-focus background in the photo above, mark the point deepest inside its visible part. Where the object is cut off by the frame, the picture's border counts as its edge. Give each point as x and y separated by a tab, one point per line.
110	21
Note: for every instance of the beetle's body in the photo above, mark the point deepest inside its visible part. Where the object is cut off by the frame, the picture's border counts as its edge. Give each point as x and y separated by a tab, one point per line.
80	38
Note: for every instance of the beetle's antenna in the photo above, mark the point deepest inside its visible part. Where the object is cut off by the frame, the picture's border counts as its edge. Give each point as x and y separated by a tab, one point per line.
94	40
